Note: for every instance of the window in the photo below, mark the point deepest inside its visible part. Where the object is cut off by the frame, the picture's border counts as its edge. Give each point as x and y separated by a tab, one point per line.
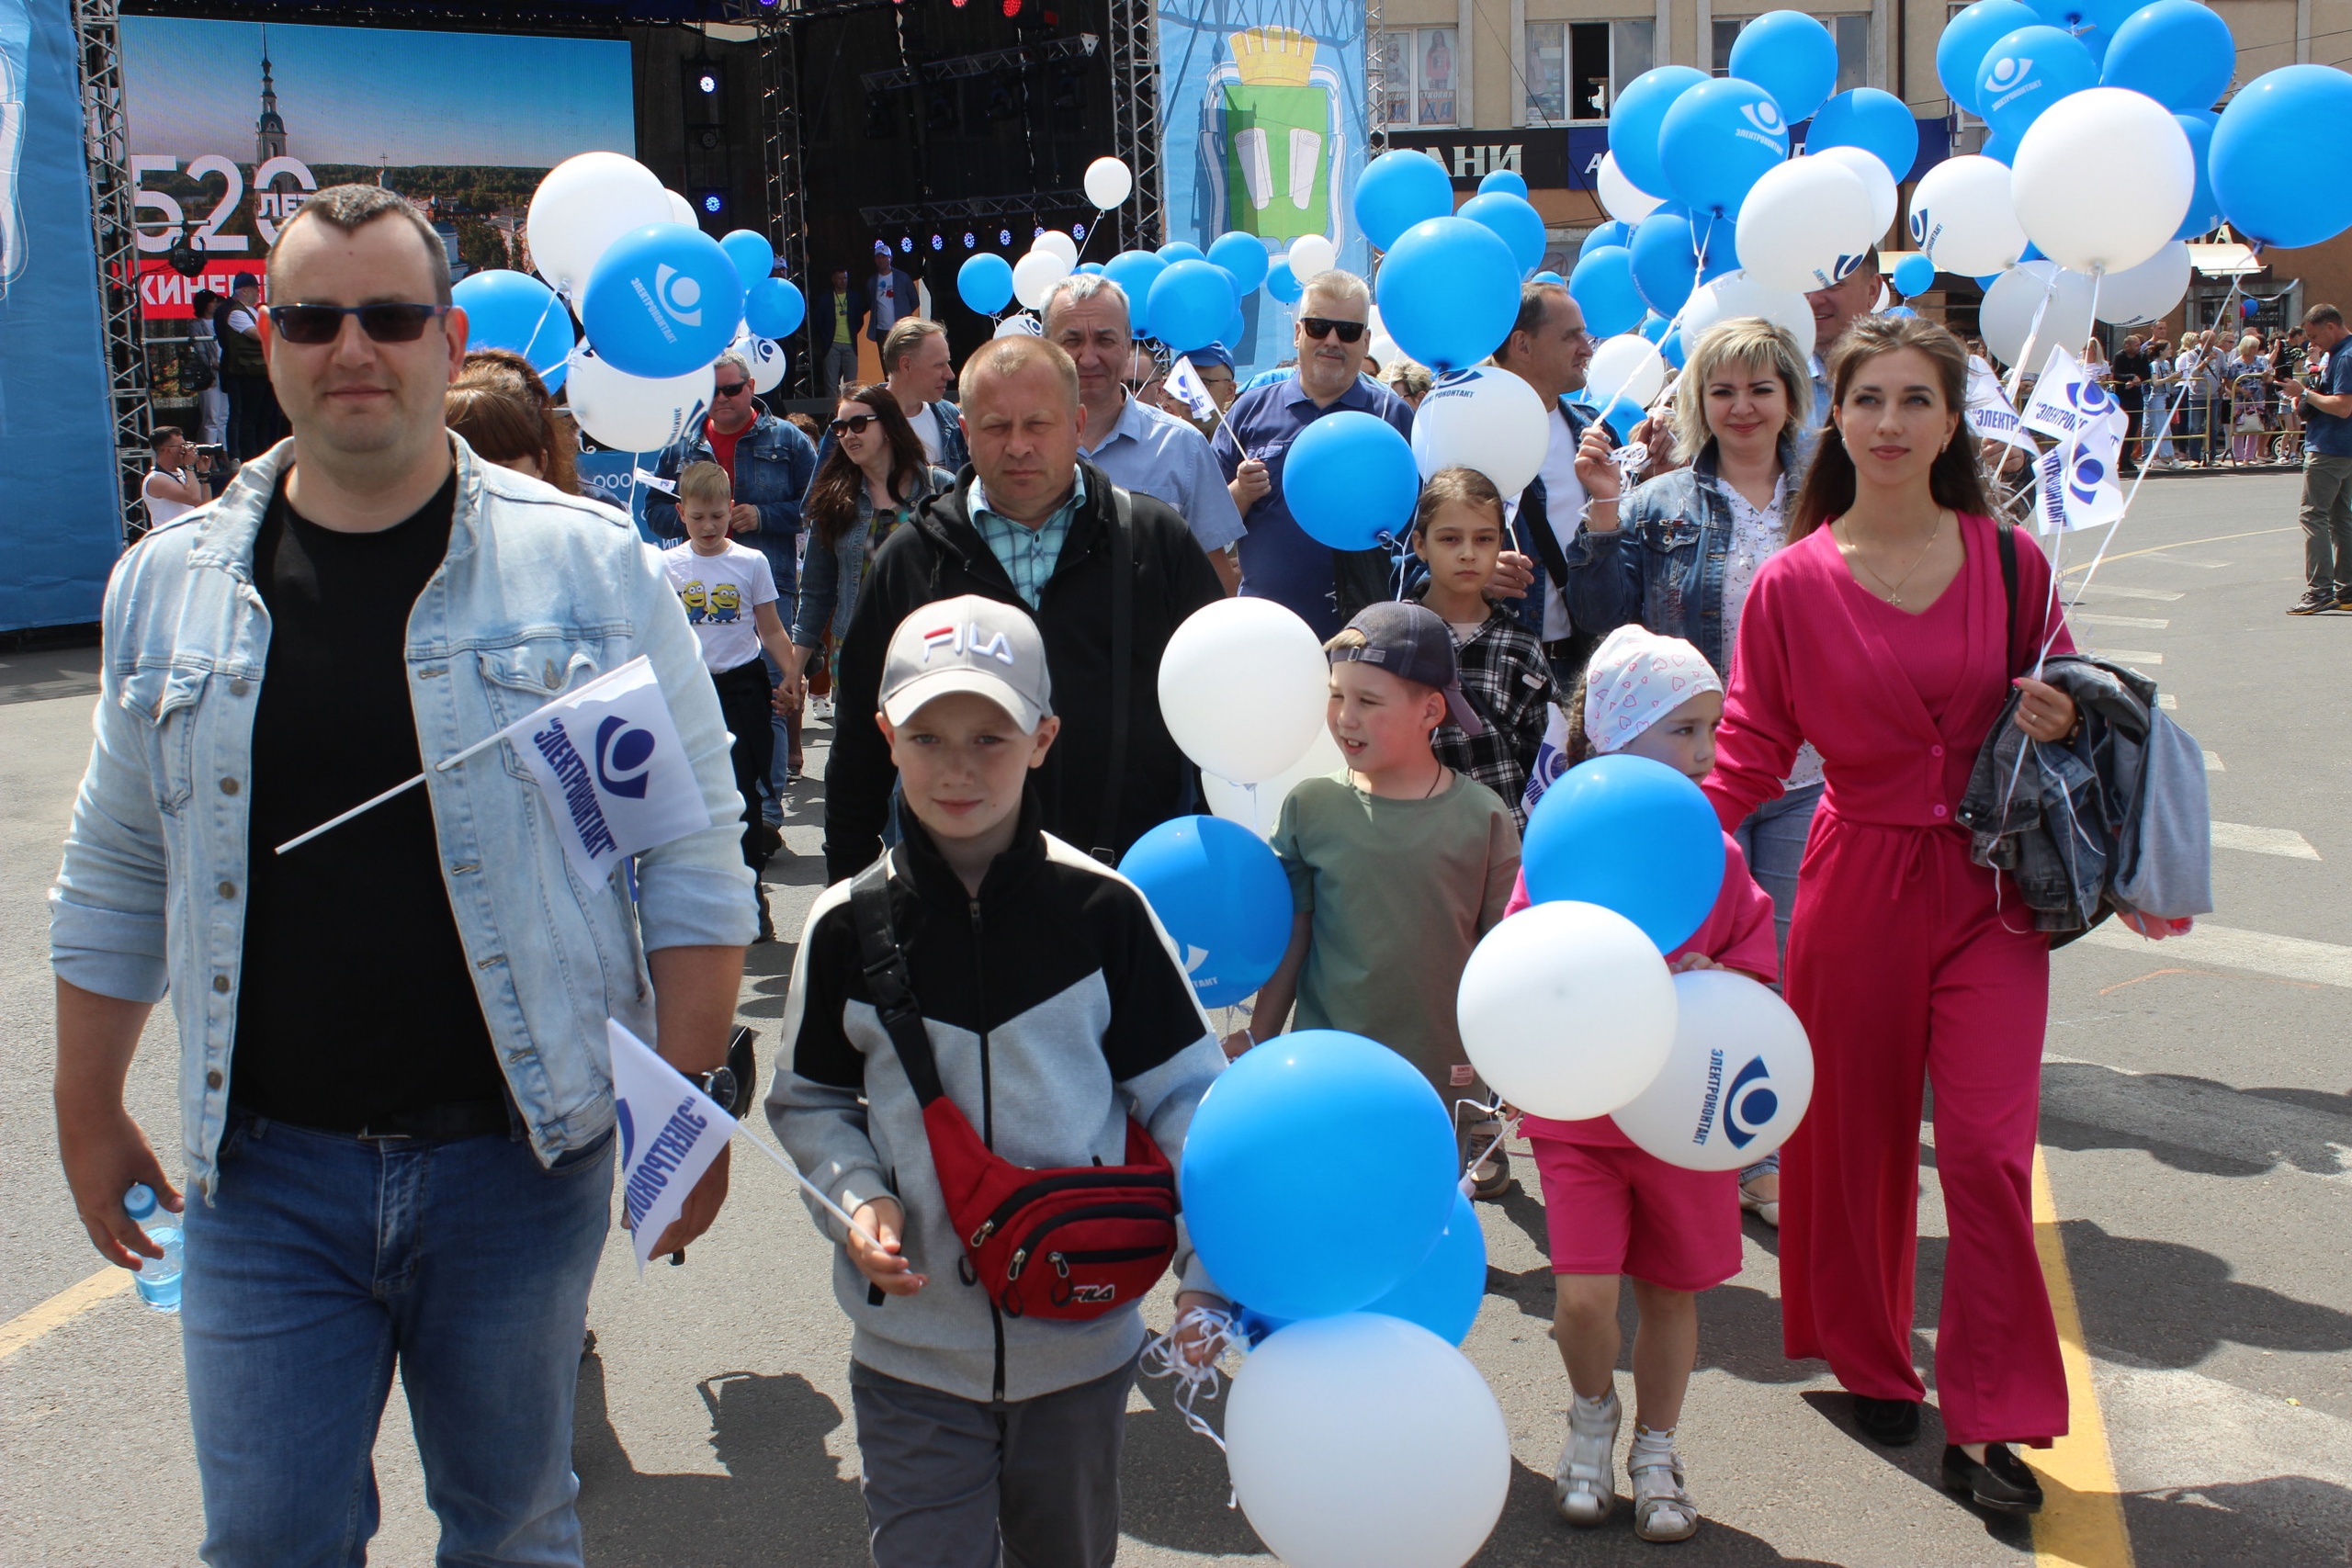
1852	33
1417	80
1574	70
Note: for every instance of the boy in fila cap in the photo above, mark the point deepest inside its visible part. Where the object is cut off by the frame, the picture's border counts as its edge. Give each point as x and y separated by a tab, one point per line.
1055	1011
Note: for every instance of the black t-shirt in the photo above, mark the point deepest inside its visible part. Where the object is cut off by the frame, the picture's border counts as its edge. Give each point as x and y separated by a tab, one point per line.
2132	371
356	1000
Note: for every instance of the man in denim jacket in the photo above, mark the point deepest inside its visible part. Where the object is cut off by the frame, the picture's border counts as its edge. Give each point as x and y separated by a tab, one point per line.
395	1096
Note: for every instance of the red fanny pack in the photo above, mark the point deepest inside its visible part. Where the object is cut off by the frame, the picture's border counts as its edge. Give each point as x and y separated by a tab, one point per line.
1072	1243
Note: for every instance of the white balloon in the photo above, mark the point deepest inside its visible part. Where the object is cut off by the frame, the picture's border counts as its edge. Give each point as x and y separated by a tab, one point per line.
582	206
681	209
1384	351
2145	293
1257	806
1367	1442
1739	294
1884	200
1628	365
1735	1086
1567	1009
766	359
631	413
1243	687
1021	323
1485	419
2005	317
1059	243
1805	224
1035	274
1311	253
1960	215
2102	179
1108	183
1619	198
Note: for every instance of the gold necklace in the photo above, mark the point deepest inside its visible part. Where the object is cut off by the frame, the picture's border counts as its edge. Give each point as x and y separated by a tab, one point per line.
1895	589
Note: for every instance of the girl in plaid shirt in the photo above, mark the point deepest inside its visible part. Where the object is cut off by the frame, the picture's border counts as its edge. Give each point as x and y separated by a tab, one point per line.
1458	532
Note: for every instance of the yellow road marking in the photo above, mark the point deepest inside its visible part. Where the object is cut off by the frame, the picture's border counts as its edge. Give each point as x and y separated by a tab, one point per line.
62	1308
2180	545
2081	1523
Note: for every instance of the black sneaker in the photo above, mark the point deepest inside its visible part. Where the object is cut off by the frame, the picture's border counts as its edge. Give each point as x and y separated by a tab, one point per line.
2002	1483
1891	1423
767	921
2311	603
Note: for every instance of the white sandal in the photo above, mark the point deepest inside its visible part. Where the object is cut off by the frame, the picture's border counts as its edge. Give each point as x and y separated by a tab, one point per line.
1581	1489
1663	1511
1769	1210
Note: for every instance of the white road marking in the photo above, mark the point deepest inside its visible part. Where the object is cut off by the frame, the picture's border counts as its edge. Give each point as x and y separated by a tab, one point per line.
2083	617
2263	840
2167	701
2281	957
2213	763
2161	595
2183	560
2128	655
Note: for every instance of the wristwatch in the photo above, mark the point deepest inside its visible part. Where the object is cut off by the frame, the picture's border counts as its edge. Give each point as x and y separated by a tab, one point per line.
719	1083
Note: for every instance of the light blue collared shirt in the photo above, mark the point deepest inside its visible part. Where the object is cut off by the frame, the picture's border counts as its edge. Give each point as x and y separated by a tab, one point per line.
1151	452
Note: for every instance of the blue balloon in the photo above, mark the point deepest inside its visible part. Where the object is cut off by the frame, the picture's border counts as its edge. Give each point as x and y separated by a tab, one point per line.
2176	51
1654	327
1243	255
1878	123
1986	279
2270	171
1091	268
1190	303
1350	480
1135	272
2095	22
663	301
1299	1233
774	308
1637	117
1631	835
1521	226
1175	251
1791	56
1671	349
514	310
1398	189
2002	149
1718	139
753	257
1444	1294
1282	283
1449	292
1965	39
1237	330
1718	240
1510	182
1224	898
1901	310
985	282
2027	71
1610	233
1603	285
1551	277
1914	274
2204	207
1665	263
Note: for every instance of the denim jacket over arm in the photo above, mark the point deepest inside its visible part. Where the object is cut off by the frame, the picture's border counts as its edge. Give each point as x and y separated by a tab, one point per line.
1664	565
540	593
829	578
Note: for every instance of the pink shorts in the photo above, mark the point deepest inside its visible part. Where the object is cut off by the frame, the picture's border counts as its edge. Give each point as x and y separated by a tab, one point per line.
1620	1210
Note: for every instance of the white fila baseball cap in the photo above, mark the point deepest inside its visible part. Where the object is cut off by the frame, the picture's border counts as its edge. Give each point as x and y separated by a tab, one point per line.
982	646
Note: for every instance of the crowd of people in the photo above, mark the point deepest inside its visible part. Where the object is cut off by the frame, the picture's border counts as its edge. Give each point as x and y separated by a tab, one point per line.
1805	606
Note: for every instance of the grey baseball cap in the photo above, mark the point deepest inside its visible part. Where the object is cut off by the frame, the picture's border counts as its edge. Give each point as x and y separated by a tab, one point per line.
1409	642
971	644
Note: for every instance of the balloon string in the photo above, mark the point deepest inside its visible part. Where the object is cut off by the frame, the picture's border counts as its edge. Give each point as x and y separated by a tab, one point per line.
1194	1380
1484	1109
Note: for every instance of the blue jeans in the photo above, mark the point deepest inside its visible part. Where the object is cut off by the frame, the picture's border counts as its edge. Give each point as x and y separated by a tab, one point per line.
324	1257
1773	840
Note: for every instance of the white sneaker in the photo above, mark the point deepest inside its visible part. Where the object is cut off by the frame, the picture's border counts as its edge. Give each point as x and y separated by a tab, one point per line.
1662	1510
1581	1489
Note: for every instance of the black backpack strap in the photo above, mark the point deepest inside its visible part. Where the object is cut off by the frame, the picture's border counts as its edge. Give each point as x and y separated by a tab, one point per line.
887	980
1123	638
1535	523
2005	543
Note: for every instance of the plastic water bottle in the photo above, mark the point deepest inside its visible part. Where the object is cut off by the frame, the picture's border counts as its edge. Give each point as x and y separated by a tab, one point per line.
159	1278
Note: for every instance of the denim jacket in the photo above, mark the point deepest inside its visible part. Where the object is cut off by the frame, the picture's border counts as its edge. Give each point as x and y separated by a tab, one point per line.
540	591
829	578
1664	565
773	464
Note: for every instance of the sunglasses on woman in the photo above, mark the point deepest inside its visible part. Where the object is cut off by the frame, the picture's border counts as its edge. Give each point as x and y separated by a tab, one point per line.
1323	327
853	425
314	324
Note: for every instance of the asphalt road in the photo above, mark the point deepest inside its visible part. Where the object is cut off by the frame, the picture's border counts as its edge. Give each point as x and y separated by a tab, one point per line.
2196	1129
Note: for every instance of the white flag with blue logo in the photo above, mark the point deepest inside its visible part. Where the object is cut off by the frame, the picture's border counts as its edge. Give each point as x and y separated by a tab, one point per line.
615	775
669	1131
1185	382
1551	760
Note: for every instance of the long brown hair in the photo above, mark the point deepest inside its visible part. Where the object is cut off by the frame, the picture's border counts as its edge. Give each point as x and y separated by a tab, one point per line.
832	506
1954	480
502	407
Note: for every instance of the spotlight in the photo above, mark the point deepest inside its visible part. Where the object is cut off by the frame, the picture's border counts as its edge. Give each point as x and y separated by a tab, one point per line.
937	242
1012	8
1078	231
1004	236
707	83
712	201
970	239
907	245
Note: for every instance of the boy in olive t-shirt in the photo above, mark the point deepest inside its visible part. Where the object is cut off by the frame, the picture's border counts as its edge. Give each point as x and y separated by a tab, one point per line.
1397	867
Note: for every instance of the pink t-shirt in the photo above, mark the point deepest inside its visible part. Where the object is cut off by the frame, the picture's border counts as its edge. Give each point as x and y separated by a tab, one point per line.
1737	934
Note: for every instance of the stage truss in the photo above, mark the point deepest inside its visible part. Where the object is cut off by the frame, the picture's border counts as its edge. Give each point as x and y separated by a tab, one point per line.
97	43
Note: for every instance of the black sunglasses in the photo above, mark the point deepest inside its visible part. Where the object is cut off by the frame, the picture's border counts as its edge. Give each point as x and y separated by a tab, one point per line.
1323	327
730	388
314	324
853	425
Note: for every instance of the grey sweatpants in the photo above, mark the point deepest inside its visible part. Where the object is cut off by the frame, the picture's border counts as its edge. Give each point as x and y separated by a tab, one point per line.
949	1479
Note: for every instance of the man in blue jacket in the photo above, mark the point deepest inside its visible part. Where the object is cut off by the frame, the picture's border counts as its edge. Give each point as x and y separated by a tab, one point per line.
835	318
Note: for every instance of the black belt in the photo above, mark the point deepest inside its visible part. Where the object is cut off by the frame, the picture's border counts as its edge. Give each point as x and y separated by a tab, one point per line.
443	1124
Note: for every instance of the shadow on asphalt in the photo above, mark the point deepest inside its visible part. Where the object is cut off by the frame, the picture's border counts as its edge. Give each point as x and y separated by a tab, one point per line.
2279	1520
2190	1305
2195	1124
1923	1462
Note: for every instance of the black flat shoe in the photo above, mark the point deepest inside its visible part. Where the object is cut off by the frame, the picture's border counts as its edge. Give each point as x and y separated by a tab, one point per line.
1894	1423
2002	1483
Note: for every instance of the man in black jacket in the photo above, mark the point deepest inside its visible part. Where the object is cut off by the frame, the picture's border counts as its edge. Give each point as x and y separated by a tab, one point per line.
1028	523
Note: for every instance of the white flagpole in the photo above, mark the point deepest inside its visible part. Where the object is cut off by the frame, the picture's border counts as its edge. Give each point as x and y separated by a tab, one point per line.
367	805
813	1190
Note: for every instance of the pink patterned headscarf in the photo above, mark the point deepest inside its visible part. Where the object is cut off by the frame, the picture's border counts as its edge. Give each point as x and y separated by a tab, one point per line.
1637	678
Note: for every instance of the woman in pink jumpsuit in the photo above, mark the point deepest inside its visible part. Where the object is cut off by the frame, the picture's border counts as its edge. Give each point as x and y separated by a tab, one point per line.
1879	635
